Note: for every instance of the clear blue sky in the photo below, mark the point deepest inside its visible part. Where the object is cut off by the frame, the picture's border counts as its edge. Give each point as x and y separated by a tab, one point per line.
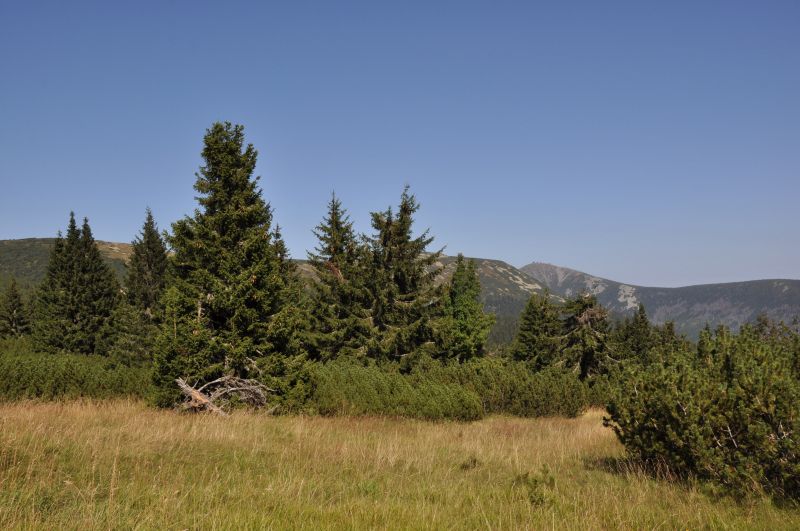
655	143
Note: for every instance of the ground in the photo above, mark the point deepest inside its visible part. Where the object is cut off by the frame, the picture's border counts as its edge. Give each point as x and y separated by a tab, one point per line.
123	465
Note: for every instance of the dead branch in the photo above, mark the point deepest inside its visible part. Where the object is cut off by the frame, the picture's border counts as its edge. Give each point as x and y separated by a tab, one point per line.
222	390
197	400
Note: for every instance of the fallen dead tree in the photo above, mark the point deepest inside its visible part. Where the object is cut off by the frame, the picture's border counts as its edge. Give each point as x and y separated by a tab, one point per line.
215	394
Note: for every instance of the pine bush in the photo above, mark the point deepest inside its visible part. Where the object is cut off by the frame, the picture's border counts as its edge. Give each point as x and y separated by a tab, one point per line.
728	413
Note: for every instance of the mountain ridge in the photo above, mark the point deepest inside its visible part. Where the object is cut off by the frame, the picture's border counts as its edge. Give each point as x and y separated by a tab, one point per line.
689	307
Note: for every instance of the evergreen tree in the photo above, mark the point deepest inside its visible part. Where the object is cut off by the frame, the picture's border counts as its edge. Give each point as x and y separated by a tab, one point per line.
464	328
147	269
53	307
539	338
340	301
233	298
75	301
14	320
705	346
586	331
667	337
634	337
400	280
98	295
130	335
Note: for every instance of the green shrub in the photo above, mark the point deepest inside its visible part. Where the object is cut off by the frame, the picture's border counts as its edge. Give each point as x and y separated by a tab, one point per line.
728	413
349	388
509	387
28	374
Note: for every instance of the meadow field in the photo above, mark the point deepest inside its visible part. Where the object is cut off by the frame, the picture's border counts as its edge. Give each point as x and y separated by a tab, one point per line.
122	465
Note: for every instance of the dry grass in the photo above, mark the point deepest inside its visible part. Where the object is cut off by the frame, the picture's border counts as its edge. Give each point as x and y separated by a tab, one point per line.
122	465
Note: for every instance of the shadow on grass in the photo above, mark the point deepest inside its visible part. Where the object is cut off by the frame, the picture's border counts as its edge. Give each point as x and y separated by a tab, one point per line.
635	467
658	470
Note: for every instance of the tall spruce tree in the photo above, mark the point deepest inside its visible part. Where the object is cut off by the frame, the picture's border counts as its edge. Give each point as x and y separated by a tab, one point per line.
147	269
586	331
233	298
401	282
54	306
75	302
540	334
464	328
98	291
14	320
340	302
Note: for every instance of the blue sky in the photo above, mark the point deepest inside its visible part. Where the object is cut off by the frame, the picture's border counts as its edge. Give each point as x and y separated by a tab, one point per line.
655	143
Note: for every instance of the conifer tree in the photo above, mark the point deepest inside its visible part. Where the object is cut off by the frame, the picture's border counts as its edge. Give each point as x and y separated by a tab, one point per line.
130	335
669	338
464	328
705	345
14	320
540	336
586	331
634	337
98	295
233	297
340	303
54	307
401	278
147	269
75	301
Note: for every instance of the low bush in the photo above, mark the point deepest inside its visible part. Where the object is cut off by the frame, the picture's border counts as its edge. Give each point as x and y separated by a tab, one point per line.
728	413
349	388
510	387
433	390
29	374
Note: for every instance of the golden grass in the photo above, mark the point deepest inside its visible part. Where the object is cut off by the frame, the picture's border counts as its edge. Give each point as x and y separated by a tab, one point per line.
122	465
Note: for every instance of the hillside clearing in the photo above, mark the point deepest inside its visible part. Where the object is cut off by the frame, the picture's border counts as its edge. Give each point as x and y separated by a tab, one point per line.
122	465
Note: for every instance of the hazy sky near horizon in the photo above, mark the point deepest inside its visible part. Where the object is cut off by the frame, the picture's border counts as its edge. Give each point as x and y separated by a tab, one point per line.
650	143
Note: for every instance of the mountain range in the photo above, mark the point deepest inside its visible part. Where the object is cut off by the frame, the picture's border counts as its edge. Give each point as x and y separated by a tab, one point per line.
690	308
506	289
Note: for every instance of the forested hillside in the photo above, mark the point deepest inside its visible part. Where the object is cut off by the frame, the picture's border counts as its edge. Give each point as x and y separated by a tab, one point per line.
26	259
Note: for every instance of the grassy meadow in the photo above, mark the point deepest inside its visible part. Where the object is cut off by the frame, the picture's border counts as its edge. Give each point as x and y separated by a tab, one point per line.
122	465
83	465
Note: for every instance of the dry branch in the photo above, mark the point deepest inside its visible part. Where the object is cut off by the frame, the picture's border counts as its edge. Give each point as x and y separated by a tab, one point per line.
206	397
197	400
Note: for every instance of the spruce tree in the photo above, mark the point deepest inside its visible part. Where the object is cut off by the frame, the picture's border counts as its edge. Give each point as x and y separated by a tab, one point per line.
464	328
586	331
634	337
401	282
233	298
54	307
98	295
75	301
130	335
147	269
14	320
340	303
540	336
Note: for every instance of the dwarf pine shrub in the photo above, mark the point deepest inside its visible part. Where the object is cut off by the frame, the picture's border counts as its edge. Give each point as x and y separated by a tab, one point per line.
28	374
348	388
728	413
